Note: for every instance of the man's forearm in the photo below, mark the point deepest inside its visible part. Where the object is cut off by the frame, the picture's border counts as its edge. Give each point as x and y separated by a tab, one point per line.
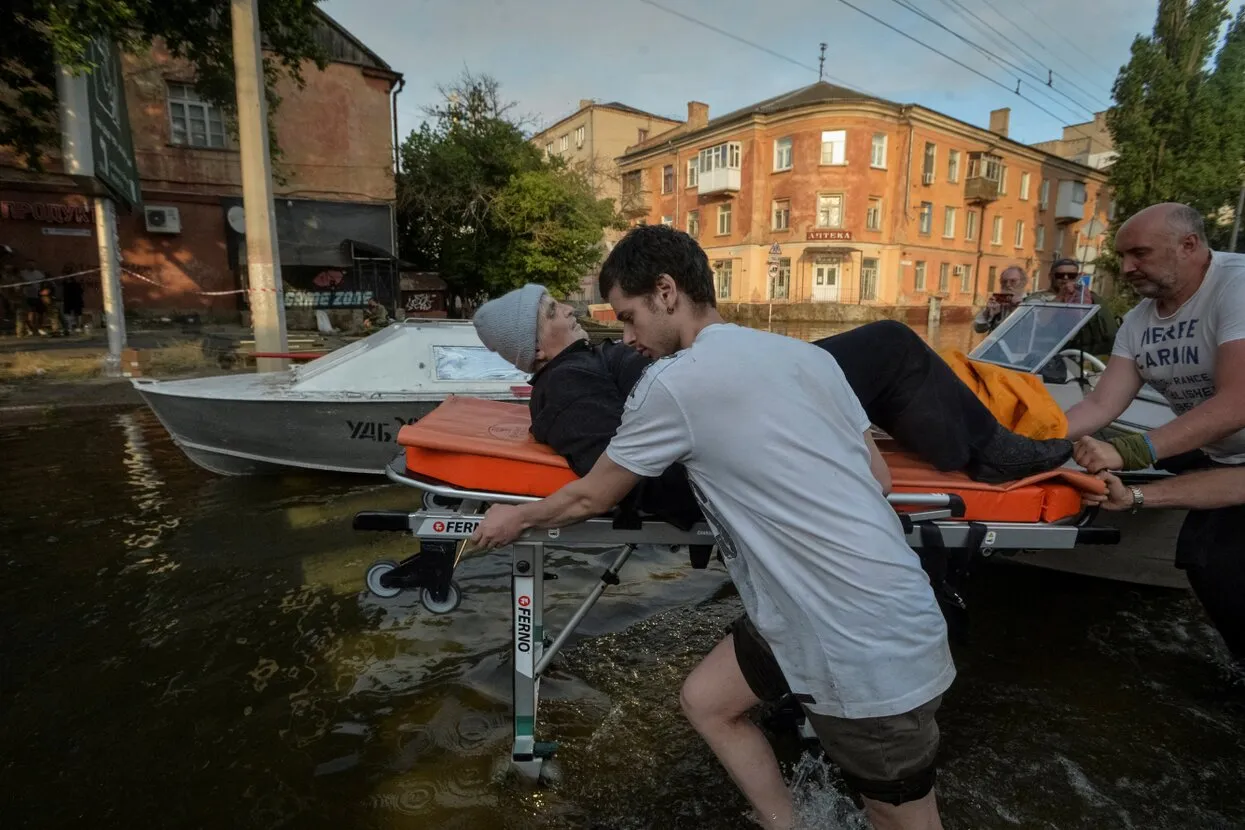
1213	421
1086	418
1202	490
573	503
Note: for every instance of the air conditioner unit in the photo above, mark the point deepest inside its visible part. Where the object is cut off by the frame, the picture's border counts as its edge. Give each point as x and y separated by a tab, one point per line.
927	178
162	219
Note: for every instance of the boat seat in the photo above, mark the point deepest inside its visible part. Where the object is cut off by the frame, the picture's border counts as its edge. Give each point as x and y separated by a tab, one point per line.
484	445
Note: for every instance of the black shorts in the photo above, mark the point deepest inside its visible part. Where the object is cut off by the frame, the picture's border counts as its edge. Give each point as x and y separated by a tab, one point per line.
892	759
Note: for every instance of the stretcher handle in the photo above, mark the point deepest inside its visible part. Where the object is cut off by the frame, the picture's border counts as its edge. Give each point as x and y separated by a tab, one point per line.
952	501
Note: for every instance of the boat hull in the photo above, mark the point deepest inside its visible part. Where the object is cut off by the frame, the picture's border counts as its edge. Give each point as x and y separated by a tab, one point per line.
265	437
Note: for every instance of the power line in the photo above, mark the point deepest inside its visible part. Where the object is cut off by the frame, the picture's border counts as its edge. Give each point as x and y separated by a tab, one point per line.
996	58
1009	40
1079	51
948	57
764	49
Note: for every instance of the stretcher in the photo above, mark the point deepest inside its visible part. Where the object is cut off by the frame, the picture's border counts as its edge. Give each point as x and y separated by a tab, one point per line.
469	454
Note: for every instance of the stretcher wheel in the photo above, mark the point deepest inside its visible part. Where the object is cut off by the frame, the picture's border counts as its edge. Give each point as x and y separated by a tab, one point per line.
452	598
431	501
374	572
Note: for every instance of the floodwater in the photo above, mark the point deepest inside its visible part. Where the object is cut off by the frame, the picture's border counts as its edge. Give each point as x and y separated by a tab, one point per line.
186	651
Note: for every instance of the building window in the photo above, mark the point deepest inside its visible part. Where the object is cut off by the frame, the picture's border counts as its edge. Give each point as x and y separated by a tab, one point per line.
829	210
721	157
782	214
877	155
579	136
549	149
693	223
1039	238
1044	195
1024	186
834	147
965	273
1020	233
641	136
693	172
1059	242
668	221
970	225
953	166
780	286
920	276
931	161
948	223
724	219
944	278
667	179
564	143
195	121
782	154
993	276
873	214
927	217
722	272
996	234
1003	181
868	279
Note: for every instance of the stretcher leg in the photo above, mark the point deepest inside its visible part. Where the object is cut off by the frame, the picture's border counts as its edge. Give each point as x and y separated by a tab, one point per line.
609	577
527	591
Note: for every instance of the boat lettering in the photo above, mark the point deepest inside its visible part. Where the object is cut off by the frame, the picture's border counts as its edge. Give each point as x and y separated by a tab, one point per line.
370	431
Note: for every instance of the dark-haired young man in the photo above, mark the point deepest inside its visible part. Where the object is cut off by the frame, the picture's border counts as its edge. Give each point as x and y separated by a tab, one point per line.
777	448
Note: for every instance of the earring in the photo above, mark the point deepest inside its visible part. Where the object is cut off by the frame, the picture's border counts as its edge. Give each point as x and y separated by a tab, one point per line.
670	309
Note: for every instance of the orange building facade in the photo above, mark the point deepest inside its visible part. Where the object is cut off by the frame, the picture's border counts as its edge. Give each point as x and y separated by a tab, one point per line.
824	199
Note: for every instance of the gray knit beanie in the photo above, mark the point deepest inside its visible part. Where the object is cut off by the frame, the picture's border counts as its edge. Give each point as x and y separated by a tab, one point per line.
507	325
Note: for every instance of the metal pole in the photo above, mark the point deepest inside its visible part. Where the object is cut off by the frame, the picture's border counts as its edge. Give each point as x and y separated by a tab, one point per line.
262	260
1236	225
110	281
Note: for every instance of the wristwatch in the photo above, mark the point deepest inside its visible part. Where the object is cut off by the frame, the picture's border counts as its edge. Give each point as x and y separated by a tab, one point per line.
1139	498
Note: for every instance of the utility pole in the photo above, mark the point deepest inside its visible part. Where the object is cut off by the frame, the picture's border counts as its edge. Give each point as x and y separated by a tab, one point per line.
263	263
821	62
1236	224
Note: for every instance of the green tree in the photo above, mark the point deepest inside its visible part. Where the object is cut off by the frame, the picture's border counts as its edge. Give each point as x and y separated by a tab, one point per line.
38	34
479	204
1178	122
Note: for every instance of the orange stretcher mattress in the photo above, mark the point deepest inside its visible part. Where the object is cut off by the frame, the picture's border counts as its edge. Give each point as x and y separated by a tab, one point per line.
485	445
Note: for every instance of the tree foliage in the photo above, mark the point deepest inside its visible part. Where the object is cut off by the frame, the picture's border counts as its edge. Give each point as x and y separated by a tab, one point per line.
1178	122
38	34
479	204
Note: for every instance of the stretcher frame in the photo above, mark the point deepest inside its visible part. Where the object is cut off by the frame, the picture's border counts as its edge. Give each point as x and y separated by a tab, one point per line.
442	534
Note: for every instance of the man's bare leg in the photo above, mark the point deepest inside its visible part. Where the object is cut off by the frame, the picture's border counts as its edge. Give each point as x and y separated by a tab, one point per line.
921	814
716	699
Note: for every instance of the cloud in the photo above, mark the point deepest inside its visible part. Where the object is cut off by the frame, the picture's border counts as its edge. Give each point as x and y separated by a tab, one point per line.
549	55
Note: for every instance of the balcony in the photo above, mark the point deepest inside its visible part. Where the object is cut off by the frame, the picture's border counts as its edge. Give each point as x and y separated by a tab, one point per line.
979	189
1070	202
722	180
981	185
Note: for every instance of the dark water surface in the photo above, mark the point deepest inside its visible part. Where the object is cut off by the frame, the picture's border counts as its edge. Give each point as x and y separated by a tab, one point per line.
186	651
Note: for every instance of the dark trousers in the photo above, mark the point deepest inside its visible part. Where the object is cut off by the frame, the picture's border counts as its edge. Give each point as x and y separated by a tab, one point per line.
1211	551
911	393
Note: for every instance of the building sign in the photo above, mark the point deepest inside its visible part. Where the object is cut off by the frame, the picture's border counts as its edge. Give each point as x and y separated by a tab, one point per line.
46	212
824	235
52	230
322	288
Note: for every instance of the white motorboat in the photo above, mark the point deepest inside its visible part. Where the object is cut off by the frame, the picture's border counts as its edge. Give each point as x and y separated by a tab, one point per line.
1035	339
338	413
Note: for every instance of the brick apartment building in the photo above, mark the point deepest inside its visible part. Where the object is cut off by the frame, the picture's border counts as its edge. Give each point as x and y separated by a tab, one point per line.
824	199
591	139
334	188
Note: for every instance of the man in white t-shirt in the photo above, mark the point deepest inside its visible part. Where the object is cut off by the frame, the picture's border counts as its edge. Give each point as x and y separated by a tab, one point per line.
778	451
1186	338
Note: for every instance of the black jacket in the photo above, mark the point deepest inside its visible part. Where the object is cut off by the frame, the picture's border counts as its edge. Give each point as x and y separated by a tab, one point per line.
577	405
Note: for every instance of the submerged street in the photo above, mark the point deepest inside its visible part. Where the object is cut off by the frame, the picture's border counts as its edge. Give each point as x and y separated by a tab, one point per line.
183	650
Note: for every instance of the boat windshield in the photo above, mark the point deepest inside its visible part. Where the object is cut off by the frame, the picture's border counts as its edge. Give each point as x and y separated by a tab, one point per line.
1033	334
460	363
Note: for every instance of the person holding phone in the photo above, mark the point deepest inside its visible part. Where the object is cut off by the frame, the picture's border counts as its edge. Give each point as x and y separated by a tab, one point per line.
1002	303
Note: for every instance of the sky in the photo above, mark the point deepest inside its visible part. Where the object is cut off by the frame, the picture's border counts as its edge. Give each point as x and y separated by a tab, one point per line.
657	55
